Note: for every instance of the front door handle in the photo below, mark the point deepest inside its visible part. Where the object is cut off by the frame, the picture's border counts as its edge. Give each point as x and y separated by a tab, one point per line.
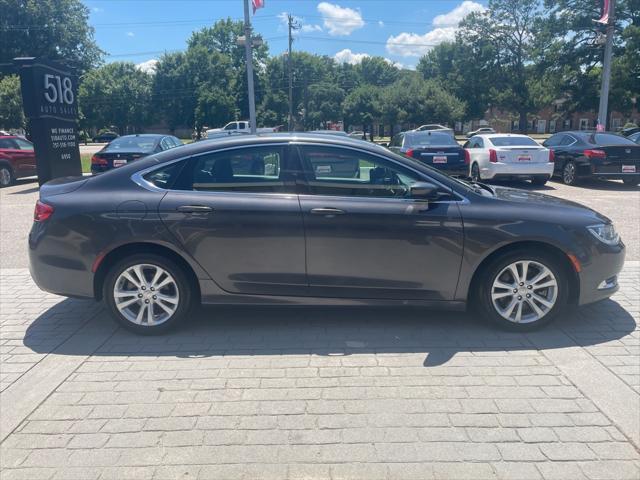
327	211
194	209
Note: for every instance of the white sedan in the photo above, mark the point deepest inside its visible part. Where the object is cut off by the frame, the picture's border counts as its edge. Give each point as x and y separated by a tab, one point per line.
508	156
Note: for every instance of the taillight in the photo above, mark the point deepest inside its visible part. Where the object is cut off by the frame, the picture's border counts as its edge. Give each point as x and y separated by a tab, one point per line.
409	153
96	160
595	154
467	157
493	156
552	156
42	212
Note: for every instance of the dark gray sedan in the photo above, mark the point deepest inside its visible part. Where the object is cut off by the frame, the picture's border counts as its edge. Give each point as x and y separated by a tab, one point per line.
309	219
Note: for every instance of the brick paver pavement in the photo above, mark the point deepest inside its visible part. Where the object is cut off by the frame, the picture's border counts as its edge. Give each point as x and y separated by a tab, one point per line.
317	393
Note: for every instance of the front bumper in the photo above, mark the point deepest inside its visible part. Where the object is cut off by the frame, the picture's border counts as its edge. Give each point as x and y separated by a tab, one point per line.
516	170
599	277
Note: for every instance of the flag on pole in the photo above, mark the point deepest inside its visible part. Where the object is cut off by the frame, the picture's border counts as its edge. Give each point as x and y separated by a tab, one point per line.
605	13
260	4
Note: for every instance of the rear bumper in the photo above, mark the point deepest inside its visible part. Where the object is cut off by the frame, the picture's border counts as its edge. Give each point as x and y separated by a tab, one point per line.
509	170
54	272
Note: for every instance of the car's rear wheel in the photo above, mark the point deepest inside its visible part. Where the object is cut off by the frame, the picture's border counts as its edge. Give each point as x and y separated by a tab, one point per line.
475	173
570	173
523	290
148	294
6	176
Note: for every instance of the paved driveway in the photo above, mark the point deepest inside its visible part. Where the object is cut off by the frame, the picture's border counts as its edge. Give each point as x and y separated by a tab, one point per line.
316	393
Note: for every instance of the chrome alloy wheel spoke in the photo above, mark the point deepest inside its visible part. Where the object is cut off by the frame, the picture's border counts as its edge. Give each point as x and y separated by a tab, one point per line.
524	291
146	294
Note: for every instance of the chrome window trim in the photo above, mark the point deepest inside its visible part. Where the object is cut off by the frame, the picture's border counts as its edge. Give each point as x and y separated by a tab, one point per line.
138	177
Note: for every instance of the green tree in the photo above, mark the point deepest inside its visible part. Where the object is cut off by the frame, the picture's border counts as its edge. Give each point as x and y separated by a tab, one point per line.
362	107
116	94
11	115
466	70
376	71
512	27
53	29
325	104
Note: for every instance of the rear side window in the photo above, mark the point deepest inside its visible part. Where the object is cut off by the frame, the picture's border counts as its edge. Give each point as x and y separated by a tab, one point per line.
257	170
165	177
609	139
567	140
514	142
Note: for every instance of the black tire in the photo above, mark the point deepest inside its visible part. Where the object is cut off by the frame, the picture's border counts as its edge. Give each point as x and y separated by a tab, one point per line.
539	182
570	173
6	175
475	173
182	285
482	298
631	181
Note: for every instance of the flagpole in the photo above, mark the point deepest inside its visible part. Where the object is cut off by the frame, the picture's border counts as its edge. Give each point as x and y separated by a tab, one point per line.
248	44
606	69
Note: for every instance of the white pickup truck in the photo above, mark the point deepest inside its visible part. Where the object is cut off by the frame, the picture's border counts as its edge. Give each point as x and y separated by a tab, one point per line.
235	128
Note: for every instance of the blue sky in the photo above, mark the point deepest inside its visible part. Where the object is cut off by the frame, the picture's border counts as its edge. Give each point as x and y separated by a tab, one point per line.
400	30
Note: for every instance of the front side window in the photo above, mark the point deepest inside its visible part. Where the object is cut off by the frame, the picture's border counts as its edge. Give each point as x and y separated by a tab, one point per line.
257	169
351	173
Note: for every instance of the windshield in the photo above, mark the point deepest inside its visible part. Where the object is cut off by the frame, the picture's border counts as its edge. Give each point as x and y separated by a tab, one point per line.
609	139
132	144
514	141
426	139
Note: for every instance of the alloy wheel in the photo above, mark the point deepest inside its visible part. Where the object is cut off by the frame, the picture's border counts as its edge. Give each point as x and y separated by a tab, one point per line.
569	173
5	177
146	294
524	291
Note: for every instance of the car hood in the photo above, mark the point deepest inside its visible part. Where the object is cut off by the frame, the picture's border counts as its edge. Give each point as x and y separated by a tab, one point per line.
547	206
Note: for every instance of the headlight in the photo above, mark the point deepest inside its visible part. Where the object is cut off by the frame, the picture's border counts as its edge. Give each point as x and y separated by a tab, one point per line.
606	233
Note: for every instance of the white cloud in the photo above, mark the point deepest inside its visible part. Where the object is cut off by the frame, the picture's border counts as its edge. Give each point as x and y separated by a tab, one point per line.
347	56
149	66
380	23
455	16
395	64
340	20
408	44
308	28
130	34
97	9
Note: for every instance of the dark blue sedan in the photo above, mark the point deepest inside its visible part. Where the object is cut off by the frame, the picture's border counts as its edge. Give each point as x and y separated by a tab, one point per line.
123	150
436	148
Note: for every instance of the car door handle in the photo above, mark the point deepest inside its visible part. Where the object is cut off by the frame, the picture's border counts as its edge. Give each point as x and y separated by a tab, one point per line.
194	209
327	211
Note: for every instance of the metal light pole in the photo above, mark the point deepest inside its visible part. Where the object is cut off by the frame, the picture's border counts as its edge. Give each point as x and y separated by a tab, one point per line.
606	69
292	26
248	44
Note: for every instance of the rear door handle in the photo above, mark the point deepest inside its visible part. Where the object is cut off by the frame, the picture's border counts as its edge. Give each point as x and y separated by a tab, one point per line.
194	209
327	211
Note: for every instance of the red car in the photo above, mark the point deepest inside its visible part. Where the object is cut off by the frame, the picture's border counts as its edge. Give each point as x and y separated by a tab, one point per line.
17	159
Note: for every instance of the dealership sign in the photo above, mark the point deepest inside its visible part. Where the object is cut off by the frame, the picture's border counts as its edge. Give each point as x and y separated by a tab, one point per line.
49	97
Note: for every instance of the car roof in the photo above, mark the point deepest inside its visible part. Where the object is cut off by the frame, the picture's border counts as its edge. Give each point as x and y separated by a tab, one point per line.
495	135
9	136
206	145
145	135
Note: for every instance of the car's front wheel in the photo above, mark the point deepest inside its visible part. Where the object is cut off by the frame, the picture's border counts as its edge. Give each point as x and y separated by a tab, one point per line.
147	294
522	290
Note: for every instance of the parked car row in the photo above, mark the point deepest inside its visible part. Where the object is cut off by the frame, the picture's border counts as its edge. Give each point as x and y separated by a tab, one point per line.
571	156
128	148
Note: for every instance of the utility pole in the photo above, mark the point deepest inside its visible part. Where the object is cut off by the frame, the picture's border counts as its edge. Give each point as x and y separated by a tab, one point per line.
292	26
248	44
606	70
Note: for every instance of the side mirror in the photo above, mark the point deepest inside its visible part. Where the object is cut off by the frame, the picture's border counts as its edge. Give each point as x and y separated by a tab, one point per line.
424	191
